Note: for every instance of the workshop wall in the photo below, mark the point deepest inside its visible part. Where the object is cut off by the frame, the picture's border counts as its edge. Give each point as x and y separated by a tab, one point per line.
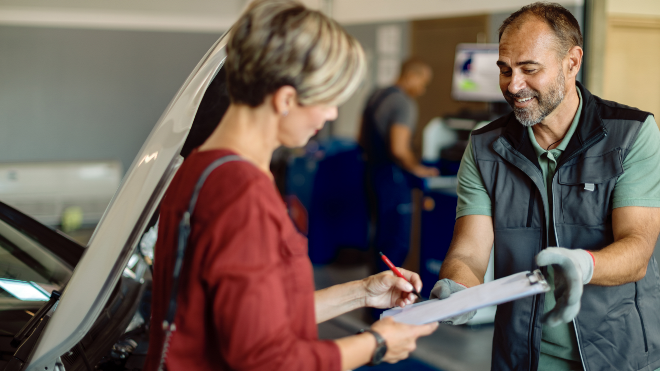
386	46
81	94
75	94
631	73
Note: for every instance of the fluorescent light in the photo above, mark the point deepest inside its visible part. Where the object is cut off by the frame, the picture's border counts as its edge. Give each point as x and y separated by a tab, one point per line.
22	290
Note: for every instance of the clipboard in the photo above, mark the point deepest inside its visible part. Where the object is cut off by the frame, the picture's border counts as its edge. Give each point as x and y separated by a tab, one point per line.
500	291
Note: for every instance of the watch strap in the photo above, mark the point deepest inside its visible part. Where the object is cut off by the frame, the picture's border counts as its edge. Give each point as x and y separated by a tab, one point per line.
381	347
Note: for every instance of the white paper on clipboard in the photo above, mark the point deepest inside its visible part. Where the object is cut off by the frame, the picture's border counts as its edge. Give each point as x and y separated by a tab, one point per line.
500	291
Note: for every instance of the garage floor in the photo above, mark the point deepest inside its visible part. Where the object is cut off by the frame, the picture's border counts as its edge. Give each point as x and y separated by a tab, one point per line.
450	348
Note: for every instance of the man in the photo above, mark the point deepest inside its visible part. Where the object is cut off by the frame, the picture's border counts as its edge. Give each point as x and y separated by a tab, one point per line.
566	169
388	123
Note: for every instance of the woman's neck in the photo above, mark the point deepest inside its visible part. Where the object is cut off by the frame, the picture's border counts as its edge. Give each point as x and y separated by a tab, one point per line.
250	132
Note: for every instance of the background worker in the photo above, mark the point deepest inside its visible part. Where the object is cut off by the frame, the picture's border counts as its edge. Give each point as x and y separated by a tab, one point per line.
565	169
246	296
388	123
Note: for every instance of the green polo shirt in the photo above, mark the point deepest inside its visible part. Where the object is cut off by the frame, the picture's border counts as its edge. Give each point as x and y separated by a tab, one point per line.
639	185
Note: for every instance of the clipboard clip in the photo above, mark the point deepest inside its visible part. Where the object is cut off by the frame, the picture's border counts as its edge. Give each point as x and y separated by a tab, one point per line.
537	278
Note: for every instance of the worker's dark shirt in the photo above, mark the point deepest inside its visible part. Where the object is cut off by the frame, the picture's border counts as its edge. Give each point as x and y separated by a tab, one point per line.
246	300
397	108
386	107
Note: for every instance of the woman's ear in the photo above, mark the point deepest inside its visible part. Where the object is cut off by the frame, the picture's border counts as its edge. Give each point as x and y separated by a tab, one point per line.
284	99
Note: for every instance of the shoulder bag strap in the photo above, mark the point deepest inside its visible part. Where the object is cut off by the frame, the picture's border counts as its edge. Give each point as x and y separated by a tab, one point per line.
183	235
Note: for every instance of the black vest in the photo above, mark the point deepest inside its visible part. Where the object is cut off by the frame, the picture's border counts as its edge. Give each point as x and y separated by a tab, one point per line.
618	328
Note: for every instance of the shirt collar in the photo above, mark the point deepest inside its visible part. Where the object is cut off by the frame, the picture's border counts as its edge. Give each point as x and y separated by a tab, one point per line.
562	146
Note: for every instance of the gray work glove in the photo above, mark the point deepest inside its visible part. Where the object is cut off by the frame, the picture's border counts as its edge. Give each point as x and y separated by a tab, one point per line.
573	269
442	290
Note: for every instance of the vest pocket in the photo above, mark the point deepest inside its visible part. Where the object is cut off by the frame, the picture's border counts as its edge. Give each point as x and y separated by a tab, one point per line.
586	188
530	207
641	320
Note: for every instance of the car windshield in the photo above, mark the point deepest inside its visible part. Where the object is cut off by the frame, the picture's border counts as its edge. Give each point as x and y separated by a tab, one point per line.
28	271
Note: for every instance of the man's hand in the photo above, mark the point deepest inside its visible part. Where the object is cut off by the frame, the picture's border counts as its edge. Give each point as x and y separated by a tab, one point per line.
424	171
385	290
400	139
442	290
573	269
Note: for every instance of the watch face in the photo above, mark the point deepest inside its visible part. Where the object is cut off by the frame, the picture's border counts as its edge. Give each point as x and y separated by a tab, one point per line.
379	354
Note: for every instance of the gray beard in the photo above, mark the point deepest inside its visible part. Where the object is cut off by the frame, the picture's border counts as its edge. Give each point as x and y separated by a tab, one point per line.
546	103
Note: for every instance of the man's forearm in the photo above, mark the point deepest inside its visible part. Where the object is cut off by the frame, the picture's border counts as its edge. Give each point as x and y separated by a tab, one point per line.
339	299
407	160
622	262
635	232
461	272
469	253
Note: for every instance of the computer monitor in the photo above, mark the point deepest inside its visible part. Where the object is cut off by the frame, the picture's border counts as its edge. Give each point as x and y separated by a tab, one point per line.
476	75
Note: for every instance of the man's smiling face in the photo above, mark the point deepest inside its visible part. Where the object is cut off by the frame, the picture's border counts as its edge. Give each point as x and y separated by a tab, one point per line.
532	77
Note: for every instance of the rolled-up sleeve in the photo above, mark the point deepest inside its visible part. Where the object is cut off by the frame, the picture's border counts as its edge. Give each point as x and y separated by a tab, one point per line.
639	185
473	199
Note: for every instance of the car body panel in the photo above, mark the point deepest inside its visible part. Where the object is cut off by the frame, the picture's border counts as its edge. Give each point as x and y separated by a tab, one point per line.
123	223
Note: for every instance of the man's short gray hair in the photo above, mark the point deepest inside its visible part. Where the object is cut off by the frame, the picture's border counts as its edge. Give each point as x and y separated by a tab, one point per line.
277	43
560	20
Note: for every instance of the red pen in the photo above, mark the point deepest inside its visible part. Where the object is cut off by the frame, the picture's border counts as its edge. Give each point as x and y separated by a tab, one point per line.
396	271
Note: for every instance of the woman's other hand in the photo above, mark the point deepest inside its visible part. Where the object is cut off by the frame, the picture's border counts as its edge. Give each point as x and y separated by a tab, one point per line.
385	290
401	339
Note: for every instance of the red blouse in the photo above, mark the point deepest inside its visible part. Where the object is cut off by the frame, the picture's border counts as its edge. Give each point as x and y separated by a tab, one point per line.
246	300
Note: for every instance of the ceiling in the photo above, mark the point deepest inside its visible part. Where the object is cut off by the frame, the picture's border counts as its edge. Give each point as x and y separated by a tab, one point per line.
219	15
165	15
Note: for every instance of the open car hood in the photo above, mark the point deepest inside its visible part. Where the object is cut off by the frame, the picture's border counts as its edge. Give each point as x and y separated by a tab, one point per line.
126	217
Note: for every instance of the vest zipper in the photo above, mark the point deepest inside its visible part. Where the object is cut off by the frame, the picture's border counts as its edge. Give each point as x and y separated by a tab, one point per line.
535	303
577	338
585	147
531	333
554	227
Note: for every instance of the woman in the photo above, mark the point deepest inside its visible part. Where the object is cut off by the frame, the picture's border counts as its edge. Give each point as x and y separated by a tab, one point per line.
246	297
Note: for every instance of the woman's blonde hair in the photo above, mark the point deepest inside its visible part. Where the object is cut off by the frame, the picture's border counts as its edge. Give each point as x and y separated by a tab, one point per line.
277	43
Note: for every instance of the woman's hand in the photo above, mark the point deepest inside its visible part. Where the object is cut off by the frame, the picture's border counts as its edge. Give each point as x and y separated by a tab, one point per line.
401	339
385	290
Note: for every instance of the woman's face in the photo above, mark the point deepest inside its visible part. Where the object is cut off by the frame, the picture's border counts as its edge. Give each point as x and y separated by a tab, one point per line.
302	122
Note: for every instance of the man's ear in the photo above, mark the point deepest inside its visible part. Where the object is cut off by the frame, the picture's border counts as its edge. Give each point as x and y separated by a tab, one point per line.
284	99
574	57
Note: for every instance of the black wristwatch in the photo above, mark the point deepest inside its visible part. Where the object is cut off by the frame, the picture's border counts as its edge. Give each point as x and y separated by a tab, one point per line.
381	347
